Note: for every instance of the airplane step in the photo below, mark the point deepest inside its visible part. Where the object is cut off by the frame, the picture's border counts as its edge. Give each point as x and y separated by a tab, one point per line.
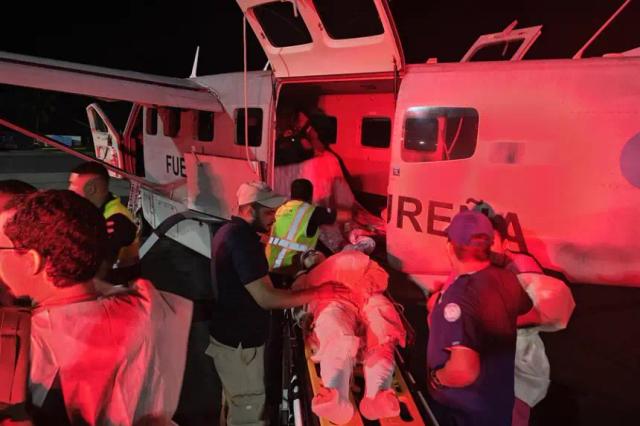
409	413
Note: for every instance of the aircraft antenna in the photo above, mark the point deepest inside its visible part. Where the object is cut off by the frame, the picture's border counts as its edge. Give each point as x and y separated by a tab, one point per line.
195	63
579	53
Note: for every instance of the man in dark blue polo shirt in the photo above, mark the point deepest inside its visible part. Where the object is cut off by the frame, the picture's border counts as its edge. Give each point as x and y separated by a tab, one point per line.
244	294
472	340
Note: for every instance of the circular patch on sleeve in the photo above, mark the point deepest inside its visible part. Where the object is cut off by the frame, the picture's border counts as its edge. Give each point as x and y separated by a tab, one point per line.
452	312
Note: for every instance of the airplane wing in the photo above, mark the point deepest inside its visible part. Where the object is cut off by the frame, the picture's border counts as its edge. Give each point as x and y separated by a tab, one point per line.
147	89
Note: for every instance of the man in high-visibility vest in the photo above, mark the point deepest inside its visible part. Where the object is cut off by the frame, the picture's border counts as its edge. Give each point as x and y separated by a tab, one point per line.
91	181
296	228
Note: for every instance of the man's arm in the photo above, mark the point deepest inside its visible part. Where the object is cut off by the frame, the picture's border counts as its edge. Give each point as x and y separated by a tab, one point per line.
462	368
269	297
320	216
121	233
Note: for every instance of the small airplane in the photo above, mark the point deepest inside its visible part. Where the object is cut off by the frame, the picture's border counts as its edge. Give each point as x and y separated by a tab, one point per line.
553	144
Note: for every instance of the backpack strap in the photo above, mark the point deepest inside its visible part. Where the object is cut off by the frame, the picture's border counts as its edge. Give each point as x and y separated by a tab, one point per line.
15	331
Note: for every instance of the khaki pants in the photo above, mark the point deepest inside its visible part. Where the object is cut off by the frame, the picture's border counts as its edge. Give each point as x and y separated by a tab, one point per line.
241	372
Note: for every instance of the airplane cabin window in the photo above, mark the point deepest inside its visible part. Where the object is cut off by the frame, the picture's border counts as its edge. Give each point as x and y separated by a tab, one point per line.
255	126
151	119
281	26
439	134
170	121
331	132
349	19
421	134
204	126
501	51
101	126
376	132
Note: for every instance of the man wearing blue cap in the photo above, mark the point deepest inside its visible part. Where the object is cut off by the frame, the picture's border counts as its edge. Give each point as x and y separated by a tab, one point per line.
472	340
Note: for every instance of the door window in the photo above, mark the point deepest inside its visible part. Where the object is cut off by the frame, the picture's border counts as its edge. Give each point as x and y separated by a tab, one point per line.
439	134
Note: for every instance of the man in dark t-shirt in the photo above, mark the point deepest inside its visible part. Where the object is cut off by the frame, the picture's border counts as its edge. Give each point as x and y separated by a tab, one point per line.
122	264
243	295
472	338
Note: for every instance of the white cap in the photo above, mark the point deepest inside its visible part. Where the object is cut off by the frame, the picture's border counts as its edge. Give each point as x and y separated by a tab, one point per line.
259	192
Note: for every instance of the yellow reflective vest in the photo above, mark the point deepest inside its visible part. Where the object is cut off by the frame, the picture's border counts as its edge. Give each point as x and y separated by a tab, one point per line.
289	234
128	255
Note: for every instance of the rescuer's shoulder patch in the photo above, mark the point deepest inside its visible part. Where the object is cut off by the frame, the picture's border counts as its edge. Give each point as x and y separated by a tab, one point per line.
452	312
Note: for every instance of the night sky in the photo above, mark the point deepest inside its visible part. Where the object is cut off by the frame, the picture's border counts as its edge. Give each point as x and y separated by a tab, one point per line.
160	36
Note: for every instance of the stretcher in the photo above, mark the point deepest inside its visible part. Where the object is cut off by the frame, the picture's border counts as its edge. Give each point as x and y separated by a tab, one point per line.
305	382
409	413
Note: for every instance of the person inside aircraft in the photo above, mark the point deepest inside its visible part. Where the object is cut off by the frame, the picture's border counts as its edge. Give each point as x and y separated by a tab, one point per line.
553	305
364	325
472	332
122	265
88	350
292	144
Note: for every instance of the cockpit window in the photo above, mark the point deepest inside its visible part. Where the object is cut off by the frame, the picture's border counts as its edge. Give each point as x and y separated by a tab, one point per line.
349	19
101	126
281	25
500	51
439	134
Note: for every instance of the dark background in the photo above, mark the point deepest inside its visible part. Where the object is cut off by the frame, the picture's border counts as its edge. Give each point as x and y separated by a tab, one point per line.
161	36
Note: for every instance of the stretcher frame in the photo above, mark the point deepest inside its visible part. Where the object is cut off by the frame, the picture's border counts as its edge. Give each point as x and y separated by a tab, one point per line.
304	376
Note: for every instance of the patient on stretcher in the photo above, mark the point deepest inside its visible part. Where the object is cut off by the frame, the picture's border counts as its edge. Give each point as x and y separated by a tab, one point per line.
364	327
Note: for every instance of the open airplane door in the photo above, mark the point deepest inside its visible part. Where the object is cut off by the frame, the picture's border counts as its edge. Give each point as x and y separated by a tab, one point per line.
325	37
509	45
107	141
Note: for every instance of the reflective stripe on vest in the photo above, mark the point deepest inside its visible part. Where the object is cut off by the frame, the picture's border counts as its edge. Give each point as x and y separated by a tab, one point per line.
291	245
128	255
289	233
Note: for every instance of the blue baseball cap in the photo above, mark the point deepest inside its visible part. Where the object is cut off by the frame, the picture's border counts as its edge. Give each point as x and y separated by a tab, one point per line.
467	224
